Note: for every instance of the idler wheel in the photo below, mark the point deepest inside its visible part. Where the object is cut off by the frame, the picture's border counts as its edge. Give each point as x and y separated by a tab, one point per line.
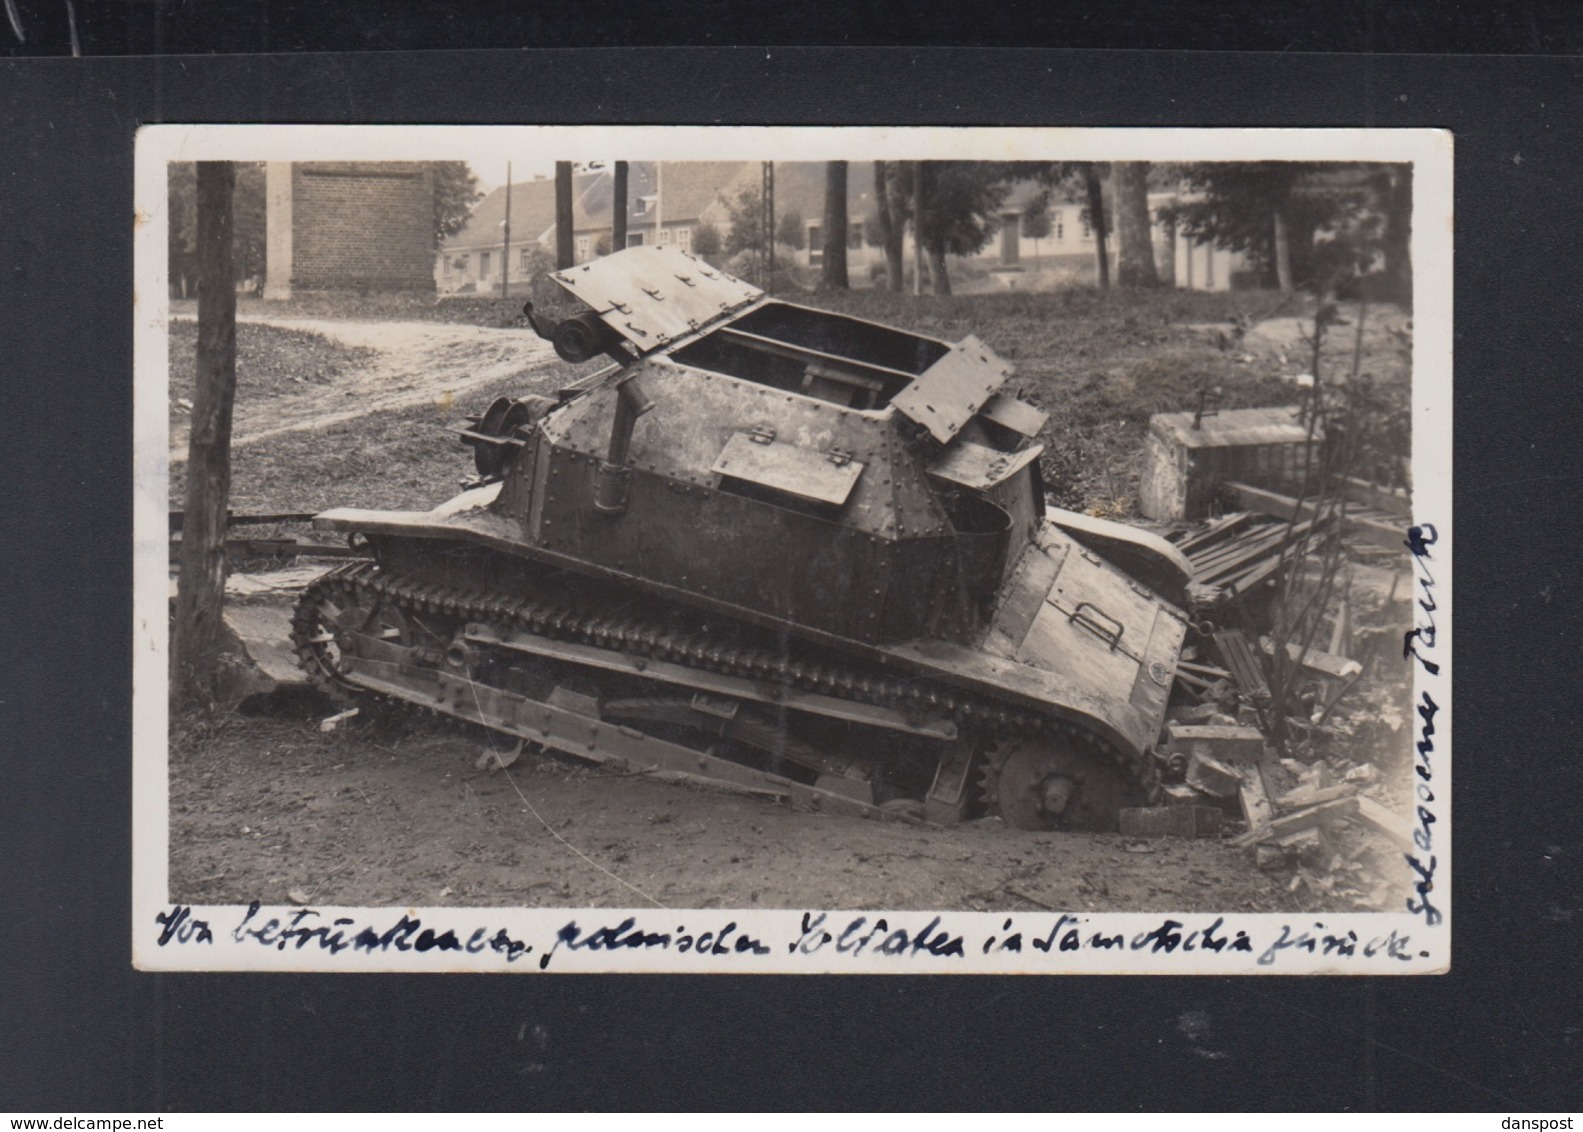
1056	784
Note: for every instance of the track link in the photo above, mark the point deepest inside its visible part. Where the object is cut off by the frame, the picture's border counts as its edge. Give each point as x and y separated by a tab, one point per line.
359	584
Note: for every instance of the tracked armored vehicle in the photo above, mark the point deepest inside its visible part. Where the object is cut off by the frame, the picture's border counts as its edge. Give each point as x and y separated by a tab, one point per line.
793	552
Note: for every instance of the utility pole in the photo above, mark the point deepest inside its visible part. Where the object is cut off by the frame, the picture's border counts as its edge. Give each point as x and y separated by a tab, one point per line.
505	241
659	200
917	228
618	209
767	200
563	215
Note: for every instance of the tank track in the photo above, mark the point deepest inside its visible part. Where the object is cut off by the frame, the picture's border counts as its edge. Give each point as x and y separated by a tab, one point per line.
981	715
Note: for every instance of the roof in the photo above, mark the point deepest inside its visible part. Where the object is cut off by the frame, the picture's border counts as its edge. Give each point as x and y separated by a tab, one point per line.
532	211
685	188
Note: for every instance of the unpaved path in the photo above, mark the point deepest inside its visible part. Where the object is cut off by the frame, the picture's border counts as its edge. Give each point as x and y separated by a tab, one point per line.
417	362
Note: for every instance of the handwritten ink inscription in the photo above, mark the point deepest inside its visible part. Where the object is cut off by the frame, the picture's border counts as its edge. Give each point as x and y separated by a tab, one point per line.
932	944
1419	645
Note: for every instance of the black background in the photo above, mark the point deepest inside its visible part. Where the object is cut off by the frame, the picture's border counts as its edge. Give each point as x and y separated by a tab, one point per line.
81	1031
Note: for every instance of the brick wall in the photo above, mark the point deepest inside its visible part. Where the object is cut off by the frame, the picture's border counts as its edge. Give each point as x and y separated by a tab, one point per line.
362	225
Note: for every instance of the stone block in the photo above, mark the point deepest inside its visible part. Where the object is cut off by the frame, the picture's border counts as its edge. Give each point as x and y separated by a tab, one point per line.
1212	776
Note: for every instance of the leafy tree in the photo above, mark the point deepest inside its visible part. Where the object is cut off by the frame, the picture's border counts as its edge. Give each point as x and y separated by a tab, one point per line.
1036	224
791	230
1274	210
706	240
1036	216
745	221
455	193
249	229
959	203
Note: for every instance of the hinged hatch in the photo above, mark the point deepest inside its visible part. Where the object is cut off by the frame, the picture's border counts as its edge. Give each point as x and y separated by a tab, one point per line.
652	296
823	477
947	394
979	467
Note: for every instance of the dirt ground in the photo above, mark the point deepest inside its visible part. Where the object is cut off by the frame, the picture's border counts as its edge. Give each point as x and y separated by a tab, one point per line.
402	364
393	812
389	809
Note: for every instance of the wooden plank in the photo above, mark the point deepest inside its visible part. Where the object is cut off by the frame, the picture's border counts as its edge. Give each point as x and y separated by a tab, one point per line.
1256	808
1302	819
1390	500
1311	795
1239	658
1397	828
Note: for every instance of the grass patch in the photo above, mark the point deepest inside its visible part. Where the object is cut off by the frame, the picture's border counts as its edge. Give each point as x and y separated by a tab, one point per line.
1100	363
395	459
270	360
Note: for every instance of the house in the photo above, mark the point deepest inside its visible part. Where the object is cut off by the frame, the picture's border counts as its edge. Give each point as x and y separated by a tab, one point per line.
474	258
348	226
667	203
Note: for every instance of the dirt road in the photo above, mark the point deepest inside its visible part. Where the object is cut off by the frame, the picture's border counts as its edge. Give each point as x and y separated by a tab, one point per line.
415	363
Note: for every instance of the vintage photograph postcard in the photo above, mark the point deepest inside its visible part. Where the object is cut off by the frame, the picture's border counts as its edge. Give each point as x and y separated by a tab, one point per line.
792	550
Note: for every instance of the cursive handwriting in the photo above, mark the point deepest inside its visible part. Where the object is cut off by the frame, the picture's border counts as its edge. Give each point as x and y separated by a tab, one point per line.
627	935
1421	636
1419	642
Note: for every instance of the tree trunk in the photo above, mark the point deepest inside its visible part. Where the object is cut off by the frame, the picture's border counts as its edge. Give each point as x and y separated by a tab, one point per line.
889	231
939	277
1283	250
832	275
1096	218
917	227
197	635
1134	234
1397	242
618	207
1167	263
563	215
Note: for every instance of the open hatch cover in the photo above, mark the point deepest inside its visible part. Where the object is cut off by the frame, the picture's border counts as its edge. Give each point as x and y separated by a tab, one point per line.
756	457
652	296
948	394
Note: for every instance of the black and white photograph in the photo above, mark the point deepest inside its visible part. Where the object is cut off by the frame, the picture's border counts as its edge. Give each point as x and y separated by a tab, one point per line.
792	550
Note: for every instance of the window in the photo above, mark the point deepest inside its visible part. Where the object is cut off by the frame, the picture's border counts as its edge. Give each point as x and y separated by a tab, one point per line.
525	263
815	242
1059	225
445	266
1088	229
582	248
634	239
854	234
666	235
642	207
684	238
483	265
